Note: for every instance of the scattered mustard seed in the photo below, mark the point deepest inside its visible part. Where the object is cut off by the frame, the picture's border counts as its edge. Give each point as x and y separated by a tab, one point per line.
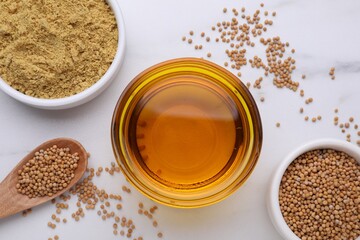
155	224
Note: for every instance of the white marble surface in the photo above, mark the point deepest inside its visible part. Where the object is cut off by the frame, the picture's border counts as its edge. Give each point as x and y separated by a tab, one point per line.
325	33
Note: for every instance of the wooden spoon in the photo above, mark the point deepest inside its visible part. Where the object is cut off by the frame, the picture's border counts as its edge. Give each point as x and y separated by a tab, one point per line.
12	202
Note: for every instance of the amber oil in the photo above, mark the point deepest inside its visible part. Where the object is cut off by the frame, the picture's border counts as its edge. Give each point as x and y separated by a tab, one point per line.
186	132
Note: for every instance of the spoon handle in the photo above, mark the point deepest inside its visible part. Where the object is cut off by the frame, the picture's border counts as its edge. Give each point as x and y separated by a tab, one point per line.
10	200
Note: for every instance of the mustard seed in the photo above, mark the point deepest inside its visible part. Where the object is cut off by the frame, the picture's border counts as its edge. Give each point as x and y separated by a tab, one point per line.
302	93
332	72
41	167
160	235
191	33
278	124
155	224
310	202
209	55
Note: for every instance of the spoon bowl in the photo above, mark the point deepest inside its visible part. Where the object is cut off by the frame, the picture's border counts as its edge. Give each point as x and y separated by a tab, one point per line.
12	202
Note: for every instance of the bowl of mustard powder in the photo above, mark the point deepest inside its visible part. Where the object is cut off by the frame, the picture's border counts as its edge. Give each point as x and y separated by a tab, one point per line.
59	54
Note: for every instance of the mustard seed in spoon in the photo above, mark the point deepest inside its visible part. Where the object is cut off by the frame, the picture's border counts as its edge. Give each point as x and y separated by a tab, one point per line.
48	171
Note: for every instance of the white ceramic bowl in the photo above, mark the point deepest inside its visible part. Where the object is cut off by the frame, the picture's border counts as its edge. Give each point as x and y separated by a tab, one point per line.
91	92
272	200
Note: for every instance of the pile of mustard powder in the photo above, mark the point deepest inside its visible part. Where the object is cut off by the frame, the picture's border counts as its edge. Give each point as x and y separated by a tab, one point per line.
54	49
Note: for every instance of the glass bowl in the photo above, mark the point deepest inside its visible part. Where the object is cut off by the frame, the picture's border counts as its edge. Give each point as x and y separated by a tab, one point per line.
186	133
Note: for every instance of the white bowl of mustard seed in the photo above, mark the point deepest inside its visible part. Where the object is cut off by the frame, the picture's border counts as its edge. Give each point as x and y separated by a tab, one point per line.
84	92
321	212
